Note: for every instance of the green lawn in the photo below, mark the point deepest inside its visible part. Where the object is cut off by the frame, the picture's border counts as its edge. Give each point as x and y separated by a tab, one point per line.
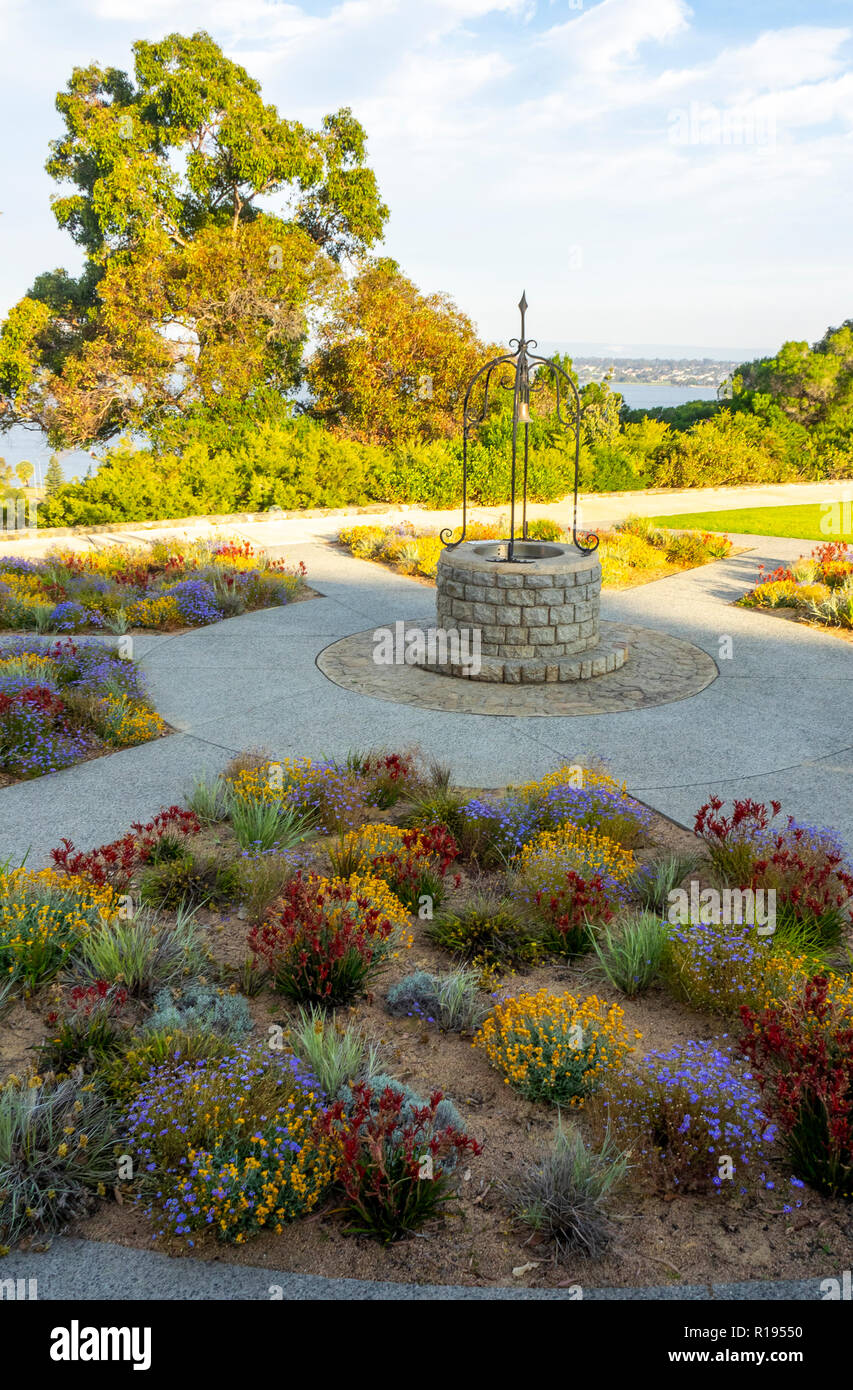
803	522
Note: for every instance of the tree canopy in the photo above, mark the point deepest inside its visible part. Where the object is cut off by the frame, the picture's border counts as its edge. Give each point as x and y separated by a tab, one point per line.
194	289
393	363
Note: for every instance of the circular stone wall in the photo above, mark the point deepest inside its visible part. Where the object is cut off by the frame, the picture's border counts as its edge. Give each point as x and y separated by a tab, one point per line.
537	621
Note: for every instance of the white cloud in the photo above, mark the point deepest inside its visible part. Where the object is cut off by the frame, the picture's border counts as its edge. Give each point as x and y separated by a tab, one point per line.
505	131
602	37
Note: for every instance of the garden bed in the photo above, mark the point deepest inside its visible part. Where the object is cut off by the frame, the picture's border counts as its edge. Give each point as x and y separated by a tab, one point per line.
816	590
66	702
537	889
635	552
169	587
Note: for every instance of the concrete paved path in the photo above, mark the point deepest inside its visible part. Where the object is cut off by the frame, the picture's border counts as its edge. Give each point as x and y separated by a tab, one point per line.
776	723
83	1269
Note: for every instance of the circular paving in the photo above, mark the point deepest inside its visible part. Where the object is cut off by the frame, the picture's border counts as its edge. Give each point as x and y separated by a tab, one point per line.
659	670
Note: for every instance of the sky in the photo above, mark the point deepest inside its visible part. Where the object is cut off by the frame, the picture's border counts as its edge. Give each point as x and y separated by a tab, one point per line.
651	171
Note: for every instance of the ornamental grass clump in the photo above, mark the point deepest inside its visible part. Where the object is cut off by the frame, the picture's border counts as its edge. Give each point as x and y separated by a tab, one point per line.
209	800
440	805
262	875
397	1157
555	1048
144	953
414	863
57	1153
44	916
653	883
230	1146
336	1054
322	793
630	951
692	1119
802	1055
328	938
563	1195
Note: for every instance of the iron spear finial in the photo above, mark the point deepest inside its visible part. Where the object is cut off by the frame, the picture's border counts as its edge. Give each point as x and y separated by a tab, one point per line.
522	304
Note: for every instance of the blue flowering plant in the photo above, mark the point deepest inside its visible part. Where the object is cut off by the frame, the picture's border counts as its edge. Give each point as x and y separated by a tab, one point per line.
693	1120
227	1147
496	830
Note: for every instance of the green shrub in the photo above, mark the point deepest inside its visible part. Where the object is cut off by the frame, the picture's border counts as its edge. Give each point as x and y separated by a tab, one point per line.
545	530
489	930
193	880
199	1008
687	549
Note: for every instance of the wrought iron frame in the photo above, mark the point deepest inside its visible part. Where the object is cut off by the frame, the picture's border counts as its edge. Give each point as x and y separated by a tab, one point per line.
524	358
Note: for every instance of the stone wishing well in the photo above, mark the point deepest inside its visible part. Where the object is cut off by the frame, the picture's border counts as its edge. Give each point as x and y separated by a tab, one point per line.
538	619
533	606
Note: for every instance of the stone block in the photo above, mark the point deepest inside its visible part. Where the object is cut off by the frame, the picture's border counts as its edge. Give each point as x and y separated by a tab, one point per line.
462	610
490	670
536	617
508	616
508	581
541	636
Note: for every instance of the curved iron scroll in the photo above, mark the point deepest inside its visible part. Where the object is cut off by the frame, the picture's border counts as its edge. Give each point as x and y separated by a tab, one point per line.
523	359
